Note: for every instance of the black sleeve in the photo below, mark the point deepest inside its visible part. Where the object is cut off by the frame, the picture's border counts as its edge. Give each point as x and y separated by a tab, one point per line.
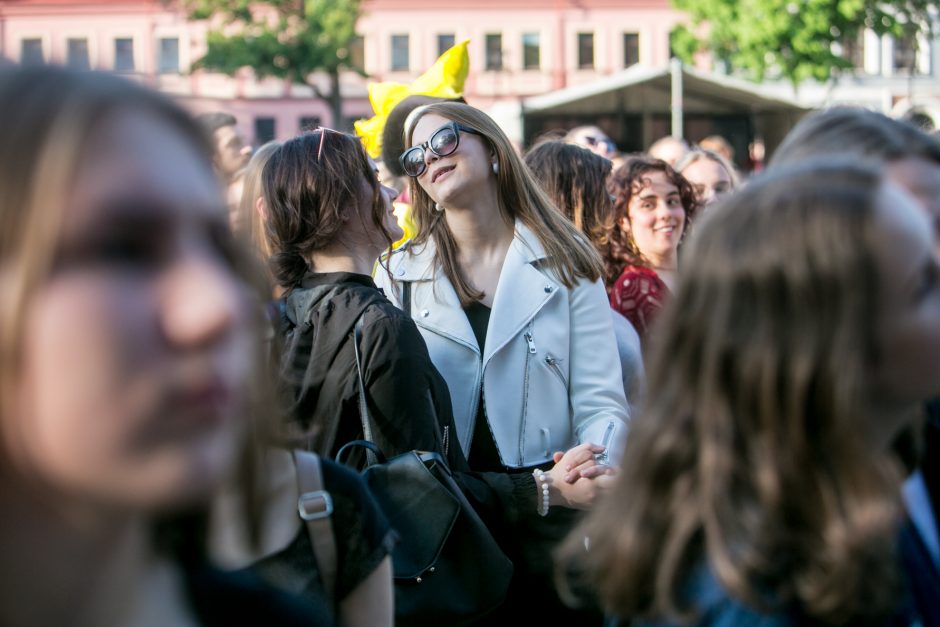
363	534
410	407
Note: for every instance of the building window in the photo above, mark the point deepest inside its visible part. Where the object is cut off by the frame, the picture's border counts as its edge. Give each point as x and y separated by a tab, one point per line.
905	55
77	54
357	52
31	52
264	130
585	51
123	55
445	42
169	62
400	53
309	122
494	52
631	49
531	51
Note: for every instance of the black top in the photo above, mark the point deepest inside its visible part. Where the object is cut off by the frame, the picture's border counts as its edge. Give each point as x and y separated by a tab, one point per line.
408	399
484	455
362	536
222	599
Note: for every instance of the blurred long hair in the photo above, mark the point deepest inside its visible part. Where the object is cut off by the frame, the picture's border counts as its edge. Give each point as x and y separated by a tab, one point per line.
750	454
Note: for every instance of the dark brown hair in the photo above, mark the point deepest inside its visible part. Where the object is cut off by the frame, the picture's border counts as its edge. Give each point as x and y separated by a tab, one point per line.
308	191
626	181
857	131
568	253
576	180
751	455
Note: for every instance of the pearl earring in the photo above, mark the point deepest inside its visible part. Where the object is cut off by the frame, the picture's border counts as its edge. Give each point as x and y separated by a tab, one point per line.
495	168
438	207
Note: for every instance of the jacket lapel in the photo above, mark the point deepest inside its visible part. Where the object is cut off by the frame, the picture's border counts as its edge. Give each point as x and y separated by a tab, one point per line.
521	293
435	305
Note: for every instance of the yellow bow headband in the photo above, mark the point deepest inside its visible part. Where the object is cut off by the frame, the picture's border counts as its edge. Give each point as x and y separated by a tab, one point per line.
445	79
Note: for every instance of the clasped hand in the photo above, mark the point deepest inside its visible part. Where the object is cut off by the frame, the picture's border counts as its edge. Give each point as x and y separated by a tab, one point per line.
577	478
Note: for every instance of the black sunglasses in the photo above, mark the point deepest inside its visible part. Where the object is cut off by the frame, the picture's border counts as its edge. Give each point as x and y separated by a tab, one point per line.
442	142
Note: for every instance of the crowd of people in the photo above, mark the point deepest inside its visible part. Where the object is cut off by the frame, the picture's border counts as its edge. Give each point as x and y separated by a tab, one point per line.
645	389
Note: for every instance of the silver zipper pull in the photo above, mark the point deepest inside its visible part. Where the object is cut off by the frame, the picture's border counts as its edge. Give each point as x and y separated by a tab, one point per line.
530	342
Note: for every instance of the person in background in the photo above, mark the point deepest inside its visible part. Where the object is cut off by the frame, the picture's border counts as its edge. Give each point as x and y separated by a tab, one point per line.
720	146
507	295
130	346
653	206
593	139
709	173
575	180
230	151
911	158
758	486
251	211
669	149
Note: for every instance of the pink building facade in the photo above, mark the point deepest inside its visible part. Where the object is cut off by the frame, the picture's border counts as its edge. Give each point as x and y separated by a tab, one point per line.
518	48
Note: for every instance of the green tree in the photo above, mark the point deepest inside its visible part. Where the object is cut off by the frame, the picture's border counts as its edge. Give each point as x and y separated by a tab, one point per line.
288	39
792	39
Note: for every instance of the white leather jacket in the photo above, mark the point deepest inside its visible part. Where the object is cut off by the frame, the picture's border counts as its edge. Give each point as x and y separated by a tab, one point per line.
550	372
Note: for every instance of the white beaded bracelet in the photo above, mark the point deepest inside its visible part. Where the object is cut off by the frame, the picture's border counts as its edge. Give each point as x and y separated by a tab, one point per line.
541	483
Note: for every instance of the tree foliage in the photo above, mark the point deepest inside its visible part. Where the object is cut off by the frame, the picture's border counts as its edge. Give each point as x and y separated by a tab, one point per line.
289	39
793	39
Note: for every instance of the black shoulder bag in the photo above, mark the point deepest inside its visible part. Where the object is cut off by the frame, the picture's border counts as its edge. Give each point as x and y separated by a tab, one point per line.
448	569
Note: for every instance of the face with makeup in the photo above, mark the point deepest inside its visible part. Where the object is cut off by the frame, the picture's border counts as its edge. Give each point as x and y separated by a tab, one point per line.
136	346
908	321
655	217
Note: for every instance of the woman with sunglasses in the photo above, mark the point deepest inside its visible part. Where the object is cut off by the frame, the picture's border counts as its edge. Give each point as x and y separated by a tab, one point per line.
506	294
328	220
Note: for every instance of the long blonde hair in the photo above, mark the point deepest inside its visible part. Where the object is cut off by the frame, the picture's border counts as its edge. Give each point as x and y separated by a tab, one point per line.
249	218
749	455
569	255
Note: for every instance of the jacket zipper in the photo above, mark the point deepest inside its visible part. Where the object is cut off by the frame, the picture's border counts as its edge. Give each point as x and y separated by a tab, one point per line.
525	391
605	456
446	439
530	341
552	363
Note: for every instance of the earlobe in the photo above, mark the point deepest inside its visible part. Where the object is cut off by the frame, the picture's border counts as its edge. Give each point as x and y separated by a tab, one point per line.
259	207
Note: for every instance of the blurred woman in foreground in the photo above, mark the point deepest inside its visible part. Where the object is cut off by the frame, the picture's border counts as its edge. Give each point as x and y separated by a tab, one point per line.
127	361
758	485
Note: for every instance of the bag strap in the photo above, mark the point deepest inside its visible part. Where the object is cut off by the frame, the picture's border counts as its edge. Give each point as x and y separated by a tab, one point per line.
406	297
363	407
315	507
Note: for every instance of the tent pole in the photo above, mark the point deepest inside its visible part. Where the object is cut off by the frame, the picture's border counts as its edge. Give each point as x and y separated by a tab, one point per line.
675	71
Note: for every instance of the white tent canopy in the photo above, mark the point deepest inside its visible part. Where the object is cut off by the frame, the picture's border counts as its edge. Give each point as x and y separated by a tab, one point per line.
648	91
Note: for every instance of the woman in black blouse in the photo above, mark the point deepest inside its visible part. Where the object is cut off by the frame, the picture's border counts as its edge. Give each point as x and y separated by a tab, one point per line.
328	219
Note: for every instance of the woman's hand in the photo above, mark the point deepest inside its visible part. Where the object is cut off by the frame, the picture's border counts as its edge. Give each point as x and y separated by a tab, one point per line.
577	478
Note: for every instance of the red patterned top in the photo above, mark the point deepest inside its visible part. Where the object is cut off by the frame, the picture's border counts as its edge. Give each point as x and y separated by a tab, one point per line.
638	294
